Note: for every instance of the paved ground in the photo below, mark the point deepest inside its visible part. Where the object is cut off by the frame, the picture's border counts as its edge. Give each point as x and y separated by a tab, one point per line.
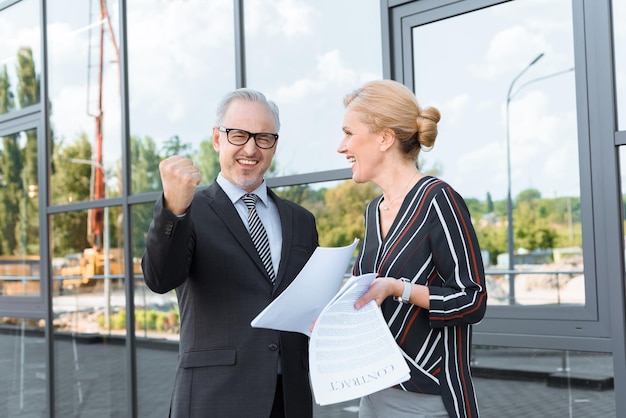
91	382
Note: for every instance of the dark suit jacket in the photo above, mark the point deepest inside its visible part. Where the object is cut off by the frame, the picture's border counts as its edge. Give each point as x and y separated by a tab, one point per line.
227	368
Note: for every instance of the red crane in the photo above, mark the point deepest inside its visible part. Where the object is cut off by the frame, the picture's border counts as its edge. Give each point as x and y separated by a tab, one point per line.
96	216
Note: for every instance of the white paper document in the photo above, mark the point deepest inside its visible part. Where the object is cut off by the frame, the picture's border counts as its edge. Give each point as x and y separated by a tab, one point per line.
301	303
352	352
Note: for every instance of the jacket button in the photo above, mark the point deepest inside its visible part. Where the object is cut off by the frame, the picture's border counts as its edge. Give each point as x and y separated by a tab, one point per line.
273	347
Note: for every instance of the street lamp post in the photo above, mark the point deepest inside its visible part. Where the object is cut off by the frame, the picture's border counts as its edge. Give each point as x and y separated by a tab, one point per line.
510	96
509	201
510	244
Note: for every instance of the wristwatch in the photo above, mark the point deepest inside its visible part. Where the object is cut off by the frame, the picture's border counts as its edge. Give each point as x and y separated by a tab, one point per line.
406	293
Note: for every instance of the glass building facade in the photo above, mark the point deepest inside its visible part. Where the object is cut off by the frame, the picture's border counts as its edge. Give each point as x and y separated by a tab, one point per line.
94	94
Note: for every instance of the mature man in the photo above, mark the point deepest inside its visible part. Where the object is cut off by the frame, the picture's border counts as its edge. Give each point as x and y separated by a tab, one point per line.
229	249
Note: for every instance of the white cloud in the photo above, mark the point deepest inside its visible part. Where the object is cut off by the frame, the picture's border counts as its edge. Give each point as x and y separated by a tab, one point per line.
544	153
329	71
331	68
290	18
455	108
510	51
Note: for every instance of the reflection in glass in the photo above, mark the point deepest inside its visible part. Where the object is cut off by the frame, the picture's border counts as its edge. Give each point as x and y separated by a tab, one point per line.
304	59
179	67
156	315
157	328
510	87
153	380
20	49
89	281
90	315
548	383
22	367
84	89
19	220
338	208
90	376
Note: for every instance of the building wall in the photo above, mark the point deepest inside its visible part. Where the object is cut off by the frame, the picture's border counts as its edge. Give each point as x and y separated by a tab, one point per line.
91	104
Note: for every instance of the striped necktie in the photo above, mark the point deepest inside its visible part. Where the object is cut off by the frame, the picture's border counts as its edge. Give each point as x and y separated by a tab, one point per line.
258	234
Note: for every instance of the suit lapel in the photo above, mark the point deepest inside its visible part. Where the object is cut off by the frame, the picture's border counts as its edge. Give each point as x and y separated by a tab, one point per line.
287	227
225	210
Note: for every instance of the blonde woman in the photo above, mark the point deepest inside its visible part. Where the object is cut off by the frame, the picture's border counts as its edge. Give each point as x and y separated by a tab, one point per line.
420	241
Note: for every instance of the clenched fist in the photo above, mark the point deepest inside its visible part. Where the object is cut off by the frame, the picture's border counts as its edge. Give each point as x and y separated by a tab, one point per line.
180	177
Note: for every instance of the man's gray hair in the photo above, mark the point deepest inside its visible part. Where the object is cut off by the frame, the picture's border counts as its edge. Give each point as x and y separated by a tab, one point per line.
247	95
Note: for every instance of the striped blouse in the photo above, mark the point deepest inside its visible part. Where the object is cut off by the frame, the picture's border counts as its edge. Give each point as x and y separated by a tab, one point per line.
431	242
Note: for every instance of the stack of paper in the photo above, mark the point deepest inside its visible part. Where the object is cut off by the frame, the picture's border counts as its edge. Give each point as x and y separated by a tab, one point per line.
351	352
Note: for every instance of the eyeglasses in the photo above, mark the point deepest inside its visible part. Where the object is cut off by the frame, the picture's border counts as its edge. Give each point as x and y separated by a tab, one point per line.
240	137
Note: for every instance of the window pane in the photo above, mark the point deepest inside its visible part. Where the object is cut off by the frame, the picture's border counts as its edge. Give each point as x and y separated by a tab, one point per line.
84	84
23	367
157	327
181	63
155	380
156	315
89	376
19	219
306	58
20	49
510	83
521	382
89	305
338	206
90	295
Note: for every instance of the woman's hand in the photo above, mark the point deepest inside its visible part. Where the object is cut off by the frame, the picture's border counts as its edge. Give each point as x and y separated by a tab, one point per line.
383	287
380	289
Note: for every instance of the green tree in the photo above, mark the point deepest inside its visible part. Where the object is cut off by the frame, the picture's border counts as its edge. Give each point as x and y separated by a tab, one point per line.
489	207
28	80
208	161
340	219
532	228
566	216
303	195
11	194
528	195
145	178
10	167
72	183
475	206
28	95
7	101
492	237
174	146
145	160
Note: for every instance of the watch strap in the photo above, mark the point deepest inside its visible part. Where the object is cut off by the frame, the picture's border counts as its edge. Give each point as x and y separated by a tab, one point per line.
406	291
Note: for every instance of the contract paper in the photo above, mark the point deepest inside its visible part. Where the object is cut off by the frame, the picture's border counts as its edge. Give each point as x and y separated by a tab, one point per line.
352	352
300	304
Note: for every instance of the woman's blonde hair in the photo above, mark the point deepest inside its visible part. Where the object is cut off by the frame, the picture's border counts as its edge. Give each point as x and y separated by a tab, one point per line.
387	104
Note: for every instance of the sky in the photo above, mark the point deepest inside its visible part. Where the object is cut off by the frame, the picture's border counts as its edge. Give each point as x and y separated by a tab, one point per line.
306	56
